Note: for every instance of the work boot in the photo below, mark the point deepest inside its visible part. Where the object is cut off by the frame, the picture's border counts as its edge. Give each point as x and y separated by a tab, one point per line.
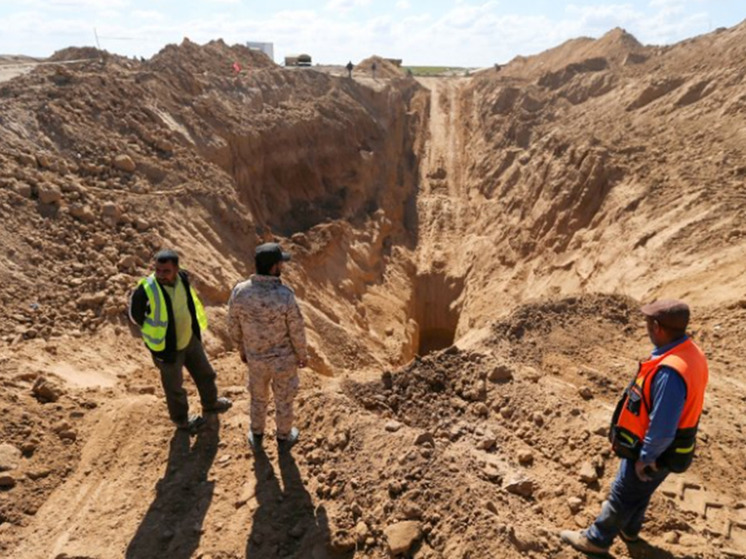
579	541
287	442
221	405
629	538
255	439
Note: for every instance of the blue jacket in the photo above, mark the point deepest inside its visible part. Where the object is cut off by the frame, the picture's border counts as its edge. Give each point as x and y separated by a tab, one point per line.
668	394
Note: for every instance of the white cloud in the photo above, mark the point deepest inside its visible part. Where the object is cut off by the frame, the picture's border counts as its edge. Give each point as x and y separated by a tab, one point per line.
666	22
345	5
661	29
403	5
657	4
149	15
83	4
597	19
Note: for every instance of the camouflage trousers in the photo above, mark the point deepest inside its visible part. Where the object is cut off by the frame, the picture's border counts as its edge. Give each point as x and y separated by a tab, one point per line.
284	381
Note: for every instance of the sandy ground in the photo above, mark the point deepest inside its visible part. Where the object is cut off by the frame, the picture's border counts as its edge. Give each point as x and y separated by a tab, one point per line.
12	66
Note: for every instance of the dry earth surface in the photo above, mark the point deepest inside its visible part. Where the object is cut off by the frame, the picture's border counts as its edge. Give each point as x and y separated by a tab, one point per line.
469	254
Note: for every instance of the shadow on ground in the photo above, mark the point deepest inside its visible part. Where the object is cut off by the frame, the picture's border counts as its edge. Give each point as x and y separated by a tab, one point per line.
172	526
646	550
286	524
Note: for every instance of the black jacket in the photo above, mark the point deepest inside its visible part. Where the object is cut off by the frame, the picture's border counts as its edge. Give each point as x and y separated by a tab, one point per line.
140	307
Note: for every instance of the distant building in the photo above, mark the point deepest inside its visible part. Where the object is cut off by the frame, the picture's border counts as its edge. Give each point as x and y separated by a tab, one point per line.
266	48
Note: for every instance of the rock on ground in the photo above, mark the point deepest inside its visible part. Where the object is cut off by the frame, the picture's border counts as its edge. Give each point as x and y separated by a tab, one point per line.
10	456
588	473
402	535
45	390
49	194
520	486
7	481
124	163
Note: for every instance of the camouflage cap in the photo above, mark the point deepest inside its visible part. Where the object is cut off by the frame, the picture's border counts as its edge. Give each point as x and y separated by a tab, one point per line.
670	313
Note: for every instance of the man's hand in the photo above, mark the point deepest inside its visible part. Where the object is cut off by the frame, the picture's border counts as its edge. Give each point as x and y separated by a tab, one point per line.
643	470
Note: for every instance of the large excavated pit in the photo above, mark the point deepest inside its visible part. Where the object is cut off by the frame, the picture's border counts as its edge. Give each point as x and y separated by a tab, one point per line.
498	216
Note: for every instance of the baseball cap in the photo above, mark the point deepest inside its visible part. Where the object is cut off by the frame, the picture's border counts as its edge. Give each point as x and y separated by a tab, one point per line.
269	254
670	313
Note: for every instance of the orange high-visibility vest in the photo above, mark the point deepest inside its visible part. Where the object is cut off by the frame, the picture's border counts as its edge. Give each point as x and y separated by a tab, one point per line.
632	416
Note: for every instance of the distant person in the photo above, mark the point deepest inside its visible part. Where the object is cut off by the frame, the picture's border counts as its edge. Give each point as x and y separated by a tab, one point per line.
171	319
264	320
373	68
497	67
349	67
653	429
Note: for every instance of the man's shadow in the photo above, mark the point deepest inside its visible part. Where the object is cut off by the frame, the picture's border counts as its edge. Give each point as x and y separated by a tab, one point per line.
286	524
645	550
641	549
172	527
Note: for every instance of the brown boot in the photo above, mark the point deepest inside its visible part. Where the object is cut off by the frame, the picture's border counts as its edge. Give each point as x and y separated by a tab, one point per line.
581	543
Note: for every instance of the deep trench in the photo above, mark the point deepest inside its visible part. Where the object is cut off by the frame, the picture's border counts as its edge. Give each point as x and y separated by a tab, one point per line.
329	191
437	309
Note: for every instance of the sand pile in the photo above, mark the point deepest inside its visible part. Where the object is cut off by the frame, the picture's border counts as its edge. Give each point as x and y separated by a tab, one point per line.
385	68
78	53
593	180
521	214
120	159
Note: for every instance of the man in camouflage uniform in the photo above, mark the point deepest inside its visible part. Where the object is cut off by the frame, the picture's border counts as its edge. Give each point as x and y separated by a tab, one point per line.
265	322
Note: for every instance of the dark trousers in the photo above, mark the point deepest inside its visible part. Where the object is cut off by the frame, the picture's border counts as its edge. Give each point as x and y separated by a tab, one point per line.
625	507
172	377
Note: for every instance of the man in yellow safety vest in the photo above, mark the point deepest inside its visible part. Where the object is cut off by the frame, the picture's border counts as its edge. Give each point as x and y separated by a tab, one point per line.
171	319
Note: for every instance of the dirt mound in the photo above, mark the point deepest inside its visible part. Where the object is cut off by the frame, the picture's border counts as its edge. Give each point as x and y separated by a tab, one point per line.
615	48
385	68
78	53
535	320
215	57
610	175
83	173
616	45
518	426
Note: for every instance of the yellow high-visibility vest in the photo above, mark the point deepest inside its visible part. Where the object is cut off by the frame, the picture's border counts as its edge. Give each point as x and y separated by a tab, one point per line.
156	321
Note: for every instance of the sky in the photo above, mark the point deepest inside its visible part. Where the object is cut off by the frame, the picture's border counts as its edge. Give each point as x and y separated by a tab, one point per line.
466	33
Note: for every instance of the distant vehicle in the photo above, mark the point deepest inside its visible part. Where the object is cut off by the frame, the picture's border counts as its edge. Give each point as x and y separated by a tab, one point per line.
298	60
304	60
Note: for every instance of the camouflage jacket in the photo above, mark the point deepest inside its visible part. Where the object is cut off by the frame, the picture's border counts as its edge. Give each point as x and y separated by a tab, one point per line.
264	319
